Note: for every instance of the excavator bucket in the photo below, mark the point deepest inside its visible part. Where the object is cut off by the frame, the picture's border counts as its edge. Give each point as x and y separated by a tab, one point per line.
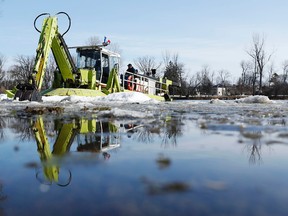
27	92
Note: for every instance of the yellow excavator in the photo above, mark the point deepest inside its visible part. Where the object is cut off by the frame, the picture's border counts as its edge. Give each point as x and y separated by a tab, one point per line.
96	72
92	136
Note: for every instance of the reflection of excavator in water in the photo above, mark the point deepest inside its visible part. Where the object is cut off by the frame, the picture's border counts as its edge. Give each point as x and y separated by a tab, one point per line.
96	73
99	137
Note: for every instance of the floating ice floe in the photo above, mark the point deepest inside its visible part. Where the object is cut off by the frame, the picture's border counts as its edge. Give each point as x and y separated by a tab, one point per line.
217	101
255	99
125	97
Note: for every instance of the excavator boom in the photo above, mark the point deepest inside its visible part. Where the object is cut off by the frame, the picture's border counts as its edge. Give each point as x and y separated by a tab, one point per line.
50	39
45	42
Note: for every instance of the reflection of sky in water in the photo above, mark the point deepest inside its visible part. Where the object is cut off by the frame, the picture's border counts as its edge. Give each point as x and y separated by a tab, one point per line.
205	160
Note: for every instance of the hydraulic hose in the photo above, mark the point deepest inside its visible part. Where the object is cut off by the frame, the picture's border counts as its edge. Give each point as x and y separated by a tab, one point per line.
44	14
36	20
68	19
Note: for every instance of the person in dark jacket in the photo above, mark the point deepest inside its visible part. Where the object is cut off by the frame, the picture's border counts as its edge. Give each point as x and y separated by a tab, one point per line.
129	74
130	68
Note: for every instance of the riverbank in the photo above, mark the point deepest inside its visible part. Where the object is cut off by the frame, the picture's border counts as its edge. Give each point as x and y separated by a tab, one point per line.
208	97
226	97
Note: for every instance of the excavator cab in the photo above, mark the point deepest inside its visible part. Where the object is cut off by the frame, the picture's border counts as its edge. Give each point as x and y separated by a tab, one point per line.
99	59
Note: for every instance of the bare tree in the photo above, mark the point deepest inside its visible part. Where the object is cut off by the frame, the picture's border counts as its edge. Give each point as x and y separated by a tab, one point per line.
259	56
146	64
166	57
23	68
49	73
115	47
193	85
246	67
205	77
244	81
254	76
2	71
223	76
285	70
271	73
95	41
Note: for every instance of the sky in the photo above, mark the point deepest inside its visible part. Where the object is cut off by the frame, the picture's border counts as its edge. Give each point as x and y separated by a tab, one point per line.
214	33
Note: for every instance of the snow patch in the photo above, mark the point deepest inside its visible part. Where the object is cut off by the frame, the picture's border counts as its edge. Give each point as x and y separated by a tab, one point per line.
3	97
75	103
124	97
128	97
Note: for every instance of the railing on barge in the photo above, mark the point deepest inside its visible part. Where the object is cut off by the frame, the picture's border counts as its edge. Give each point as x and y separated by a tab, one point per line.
145	84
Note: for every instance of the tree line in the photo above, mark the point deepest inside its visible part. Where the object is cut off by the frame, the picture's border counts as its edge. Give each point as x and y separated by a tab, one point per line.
258	73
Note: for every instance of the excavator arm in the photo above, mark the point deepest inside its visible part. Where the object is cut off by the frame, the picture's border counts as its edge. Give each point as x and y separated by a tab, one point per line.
50	39
49	30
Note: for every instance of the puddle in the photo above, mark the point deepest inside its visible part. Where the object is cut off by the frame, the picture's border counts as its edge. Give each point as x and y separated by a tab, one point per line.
173	158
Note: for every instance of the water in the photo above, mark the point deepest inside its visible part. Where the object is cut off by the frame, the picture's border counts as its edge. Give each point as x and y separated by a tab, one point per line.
184	158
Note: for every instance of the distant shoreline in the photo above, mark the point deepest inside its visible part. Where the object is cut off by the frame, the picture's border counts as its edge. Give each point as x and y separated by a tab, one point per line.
228	97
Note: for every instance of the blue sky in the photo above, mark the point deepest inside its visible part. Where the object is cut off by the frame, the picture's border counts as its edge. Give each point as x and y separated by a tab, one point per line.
202	32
